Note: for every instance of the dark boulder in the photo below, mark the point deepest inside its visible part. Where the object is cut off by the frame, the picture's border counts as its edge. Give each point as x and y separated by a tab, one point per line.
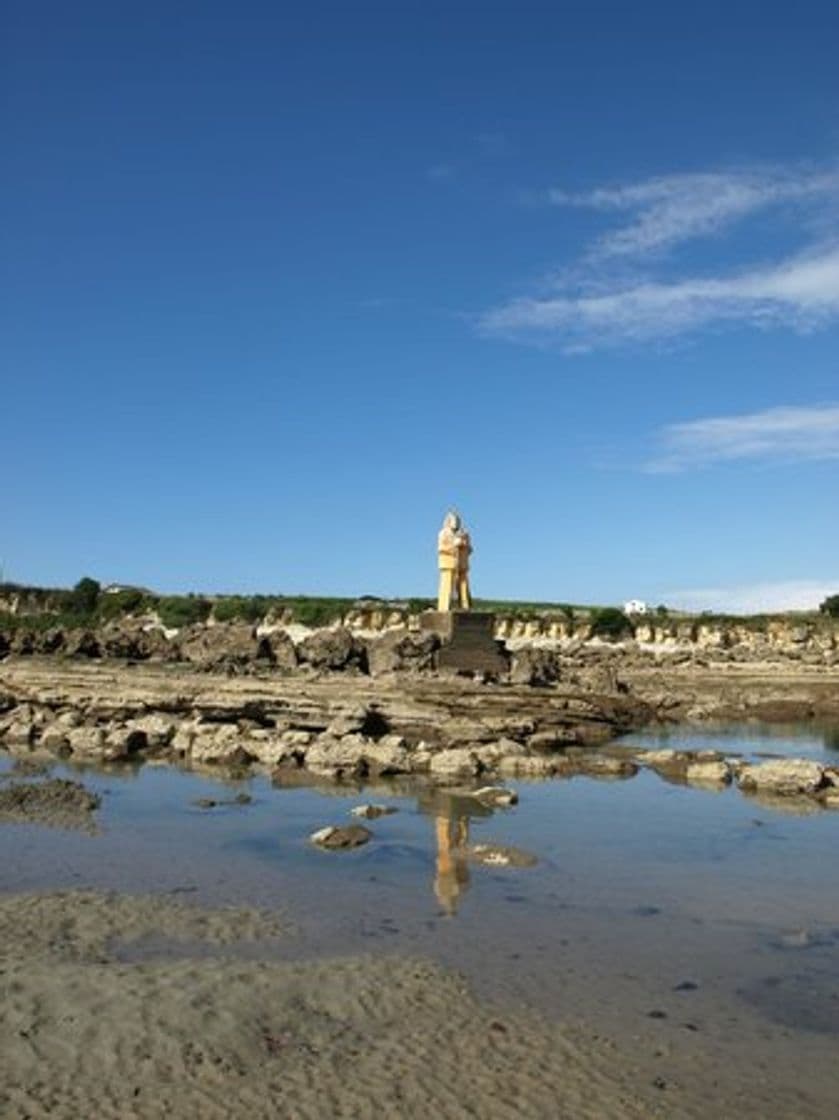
51	641
401	649
535	666
224	646
277	649
116	642
82	643
23	642
334	650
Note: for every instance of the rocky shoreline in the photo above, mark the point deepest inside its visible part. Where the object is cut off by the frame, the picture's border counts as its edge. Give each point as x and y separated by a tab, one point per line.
331	717
335	726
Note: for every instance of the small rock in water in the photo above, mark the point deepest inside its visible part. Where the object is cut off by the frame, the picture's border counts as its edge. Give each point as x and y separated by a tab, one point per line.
335	837
42	799
495	796
686	986
500	855
656	1014
371	812
214	803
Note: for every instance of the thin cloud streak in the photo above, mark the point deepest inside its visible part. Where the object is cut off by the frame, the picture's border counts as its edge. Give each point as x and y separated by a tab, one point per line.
801	292
758	598
594	302
784	433
670	209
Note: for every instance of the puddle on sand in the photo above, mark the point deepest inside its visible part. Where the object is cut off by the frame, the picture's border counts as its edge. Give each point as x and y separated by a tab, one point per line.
656	911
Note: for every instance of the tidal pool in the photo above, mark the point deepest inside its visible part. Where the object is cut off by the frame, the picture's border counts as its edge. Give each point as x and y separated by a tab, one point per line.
700	925
754	740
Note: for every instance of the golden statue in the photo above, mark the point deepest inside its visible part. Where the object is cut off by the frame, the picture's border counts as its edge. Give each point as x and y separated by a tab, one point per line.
454	547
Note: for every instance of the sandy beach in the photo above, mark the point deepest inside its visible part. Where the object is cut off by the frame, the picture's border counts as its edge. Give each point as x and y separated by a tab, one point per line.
195	1032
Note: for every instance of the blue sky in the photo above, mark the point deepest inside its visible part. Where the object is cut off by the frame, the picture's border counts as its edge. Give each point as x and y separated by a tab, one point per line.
281	283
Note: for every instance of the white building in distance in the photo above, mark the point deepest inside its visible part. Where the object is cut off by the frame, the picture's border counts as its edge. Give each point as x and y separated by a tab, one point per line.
635	606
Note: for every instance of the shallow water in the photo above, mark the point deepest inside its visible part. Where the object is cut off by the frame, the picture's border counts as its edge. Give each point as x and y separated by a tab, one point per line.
656	911
755	740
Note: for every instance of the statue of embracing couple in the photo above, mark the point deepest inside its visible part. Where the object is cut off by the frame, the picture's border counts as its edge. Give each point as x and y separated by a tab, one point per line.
454	548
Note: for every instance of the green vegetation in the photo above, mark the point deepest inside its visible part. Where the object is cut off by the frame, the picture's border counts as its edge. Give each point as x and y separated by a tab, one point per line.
527	611
86	605
241	608
130	600
317	612
417	606
36	622
611	623
305	609
83	598
830	606
182	610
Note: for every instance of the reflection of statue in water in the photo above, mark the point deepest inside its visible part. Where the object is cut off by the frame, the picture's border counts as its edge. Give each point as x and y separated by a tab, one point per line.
451	812
452	872
454	547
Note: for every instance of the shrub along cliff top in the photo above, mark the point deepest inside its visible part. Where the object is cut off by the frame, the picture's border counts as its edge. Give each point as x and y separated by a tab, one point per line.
88	605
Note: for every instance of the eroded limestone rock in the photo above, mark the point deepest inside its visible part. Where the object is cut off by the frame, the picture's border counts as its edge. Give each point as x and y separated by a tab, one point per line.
372	812
455	762
336	837
708	773
783	777
336	650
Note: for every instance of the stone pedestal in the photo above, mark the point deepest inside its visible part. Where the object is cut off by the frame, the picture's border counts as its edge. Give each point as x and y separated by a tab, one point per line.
468	641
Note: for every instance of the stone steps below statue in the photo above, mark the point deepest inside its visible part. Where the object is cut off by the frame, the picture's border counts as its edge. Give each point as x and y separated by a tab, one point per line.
468	641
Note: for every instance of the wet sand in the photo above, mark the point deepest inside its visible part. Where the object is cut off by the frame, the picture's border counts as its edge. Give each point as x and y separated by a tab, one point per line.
87	1033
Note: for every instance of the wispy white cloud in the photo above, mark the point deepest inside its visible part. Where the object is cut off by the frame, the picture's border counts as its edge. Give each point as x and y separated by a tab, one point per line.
757	598
801	292
669	209
784	433
594	302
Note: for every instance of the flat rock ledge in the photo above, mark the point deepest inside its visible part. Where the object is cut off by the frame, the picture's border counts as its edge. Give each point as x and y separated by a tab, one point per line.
337	729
